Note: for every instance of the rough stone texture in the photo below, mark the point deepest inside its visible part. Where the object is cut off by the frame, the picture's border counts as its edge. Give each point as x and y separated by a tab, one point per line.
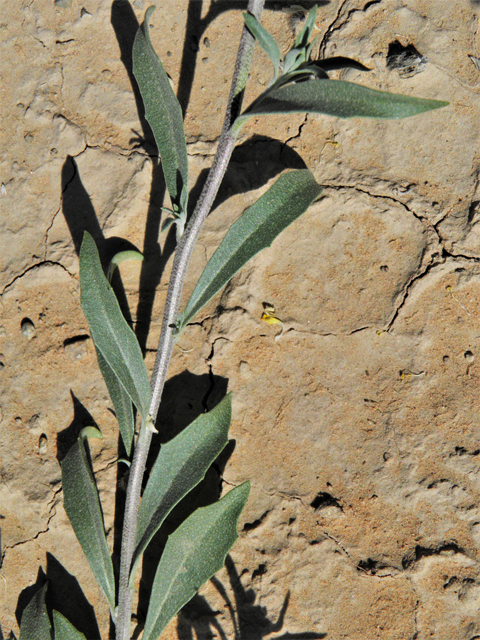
358	425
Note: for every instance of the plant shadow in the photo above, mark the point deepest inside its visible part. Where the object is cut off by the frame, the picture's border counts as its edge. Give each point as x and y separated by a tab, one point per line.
186	396
65	595
67	437
198	621
252	165
80	216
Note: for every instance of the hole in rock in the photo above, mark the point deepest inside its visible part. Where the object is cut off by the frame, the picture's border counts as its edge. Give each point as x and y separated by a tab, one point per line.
407	61
323	500
28	329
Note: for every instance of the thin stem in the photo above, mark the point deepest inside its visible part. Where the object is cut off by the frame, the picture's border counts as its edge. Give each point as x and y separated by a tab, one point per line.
166	342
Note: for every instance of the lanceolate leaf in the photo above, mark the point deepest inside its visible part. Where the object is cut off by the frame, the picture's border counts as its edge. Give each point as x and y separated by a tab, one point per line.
121	403
304	36
192	555
265	40
163	114
179	467
83	508
256	229
337	98
110	332
64	630
35	624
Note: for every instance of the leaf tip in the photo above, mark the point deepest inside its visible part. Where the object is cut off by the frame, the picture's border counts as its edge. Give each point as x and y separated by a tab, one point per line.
149	12
90	432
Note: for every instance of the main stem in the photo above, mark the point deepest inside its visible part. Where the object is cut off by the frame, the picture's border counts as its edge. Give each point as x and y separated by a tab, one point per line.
165	346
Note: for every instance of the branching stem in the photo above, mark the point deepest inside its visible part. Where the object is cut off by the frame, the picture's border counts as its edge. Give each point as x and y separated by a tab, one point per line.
166	342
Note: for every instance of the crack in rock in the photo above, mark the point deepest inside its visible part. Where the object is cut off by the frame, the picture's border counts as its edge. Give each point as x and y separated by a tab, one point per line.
30	268
298	134
51	514
339	22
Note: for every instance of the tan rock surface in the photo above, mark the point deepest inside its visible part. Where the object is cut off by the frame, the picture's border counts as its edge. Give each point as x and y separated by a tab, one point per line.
358	426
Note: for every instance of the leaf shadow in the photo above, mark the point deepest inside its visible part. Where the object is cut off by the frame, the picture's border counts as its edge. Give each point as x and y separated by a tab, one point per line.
253	164
64	595
68	436
80	216
250	621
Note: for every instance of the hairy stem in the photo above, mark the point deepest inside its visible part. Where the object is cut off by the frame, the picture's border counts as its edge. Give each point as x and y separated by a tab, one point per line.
166	342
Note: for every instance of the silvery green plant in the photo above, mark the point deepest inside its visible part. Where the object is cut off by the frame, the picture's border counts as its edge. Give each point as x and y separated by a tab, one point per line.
198	547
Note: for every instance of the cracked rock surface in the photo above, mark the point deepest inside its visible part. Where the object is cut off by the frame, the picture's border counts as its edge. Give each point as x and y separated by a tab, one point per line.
356	420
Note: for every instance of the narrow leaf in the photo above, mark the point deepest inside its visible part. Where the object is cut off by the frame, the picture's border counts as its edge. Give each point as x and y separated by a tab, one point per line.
121	403
84	511
35	624
163	113
304	36
293	60
64	630
338	98
110	332
192	555
265	40
181	464
256	229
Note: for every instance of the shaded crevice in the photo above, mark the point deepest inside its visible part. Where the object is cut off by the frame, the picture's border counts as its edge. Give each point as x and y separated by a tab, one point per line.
415	616
414	556
373	567
461	451
435	258
108	466
370	4
326	334
434	263
457	256
126	153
